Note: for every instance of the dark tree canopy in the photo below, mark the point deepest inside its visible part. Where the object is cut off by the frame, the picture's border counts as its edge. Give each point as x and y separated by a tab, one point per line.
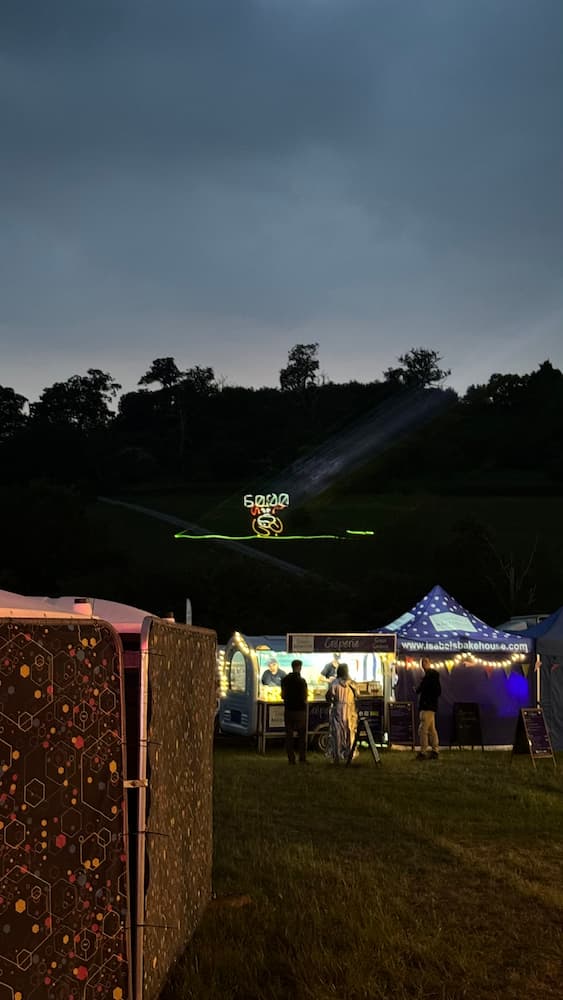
500	390
302	368
12	417
419	368
542	386
163	370
200	381
82	401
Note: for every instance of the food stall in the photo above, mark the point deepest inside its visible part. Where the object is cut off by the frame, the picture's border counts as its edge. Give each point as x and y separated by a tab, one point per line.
478	665
251	703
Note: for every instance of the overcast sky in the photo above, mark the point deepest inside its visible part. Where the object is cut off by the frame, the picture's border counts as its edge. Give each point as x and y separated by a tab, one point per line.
218	180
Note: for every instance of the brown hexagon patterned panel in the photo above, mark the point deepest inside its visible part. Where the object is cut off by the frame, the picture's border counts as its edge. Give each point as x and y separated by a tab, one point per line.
181	708
63	875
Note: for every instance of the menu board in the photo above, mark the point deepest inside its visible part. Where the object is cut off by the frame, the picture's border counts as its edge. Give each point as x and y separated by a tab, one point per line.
372	710
401	723
532	736
466	725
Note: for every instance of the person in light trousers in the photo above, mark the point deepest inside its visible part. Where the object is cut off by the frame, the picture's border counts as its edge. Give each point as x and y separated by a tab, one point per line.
429	691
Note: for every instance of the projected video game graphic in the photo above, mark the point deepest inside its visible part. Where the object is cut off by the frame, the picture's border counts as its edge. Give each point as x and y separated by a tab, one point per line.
267	525
63	882
265	510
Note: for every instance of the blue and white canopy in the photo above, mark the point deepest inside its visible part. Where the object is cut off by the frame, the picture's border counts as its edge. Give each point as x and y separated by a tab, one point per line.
438	624
548	634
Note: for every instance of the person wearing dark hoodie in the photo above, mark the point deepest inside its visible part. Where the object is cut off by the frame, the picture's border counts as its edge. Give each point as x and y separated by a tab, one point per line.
429	691
294	694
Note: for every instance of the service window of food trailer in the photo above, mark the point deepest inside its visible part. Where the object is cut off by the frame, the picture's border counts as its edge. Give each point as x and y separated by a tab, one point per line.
367	670
370	673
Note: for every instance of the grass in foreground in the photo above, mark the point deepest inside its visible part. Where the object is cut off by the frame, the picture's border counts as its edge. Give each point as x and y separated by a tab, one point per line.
407	881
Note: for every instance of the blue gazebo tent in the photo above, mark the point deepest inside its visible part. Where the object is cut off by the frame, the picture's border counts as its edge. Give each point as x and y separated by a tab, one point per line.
477	663
548	638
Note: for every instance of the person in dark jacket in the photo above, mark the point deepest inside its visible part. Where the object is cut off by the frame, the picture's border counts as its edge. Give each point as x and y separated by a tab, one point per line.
329	669
429	691
294	694
273	676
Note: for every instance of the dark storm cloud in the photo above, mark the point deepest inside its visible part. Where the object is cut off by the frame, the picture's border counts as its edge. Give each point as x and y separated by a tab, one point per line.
210	79
278	171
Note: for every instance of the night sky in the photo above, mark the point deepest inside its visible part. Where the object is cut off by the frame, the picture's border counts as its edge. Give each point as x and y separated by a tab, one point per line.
219	180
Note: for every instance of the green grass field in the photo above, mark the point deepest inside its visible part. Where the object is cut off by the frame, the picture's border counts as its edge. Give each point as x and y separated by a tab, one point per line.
404	881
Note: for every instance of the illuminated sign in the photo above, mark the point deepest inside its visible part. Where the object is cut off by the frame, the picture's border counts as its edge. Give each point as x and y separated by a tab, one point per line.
344	642
264	510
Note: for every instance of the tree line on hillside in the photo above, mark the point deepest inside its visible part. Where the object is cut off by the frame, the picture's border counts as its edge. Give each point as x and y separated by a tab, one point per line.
81	439
503	434
177	430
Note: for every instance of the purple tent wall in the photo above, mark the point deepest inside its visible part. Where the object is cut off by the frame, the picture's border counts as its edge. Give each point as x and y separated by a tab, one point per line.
499	696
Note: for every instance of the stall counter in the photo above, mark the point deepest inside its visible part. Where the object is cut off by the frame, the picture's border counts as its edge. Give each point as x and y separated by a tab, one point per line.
271	720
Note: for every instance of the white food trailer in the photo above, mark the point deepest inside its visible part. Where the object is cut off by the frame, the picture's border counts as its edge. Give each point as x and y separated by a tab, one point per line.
250	706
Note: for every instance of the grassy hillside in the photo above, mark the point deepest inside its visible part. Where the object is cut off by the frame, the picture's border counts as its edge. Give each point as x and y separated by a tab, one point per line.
419	540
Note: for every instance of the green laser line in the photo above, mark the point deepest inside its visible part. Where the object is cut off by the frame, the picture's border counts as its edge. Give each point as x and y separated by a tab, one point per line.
269	538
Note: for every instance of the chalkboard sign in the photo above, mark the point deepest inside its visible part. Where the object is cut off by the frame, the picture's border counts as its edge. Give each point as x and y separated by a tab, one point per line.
532	736
401	724
466	725
364	724
372	709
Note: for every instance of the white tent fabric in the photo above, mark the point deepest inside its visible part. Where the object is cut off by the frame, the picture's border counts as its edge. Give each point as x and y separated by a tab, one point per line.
123	617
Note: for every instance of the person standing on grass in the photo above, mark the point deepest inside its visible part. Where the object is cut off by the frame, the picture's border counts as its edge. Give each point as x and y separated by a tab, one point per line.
294	695
429	691
343	722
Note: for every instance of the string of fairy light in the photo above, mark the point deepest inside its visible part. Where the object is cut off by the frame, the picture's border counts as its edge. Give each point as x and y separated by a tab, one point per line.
467	659
463	659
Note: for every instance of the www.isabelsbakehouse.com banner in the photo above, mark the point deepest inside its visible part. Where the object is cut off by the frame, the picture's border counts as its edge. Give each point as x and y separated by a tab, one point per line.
463	645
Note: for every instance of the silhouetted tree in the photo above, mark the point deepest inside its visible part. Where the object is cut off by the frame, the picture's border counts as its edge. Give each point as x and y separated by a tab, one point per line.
82	401
12	417
419	368
163	370
301	369
199	381
197	385
500	390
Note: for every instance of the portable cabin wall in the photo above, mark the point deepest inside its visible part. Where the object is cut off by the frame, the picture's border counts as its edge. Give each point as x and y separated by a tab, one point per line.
63	860
69	852
176	808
